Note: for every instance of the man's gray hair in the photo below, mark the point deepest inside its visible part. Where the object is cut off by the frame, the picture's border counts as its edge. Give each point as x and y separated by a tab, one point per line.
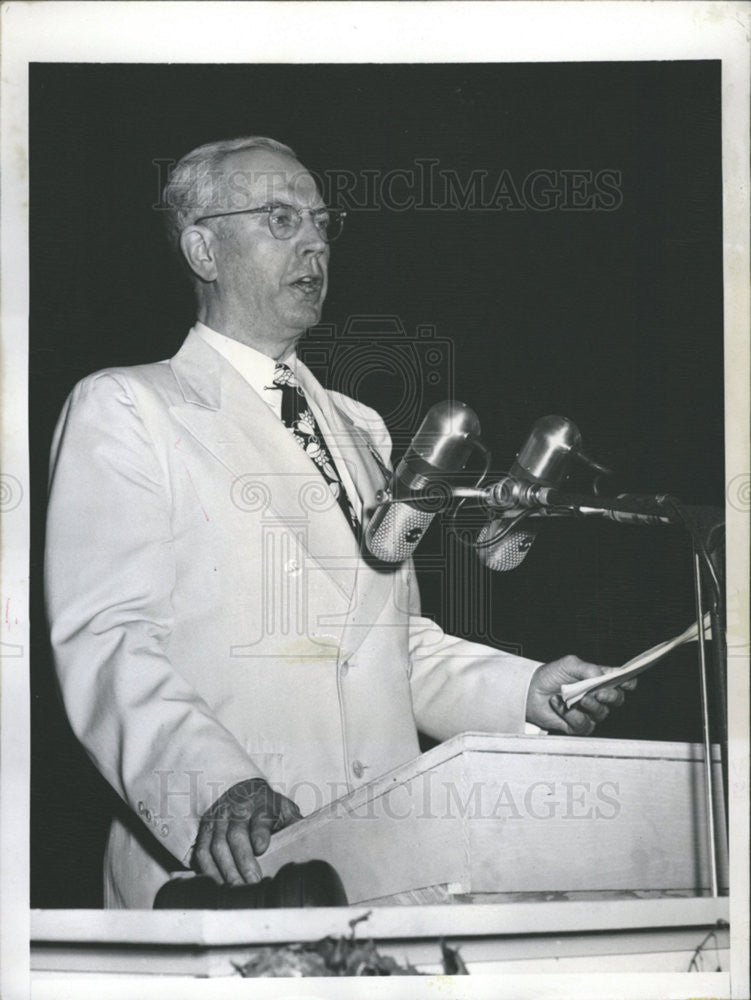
197	183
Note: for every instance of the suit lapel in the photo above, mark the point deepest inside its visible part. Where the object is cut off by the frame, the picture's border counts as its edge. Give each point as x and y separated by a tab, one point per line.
375	582
352	441
231	421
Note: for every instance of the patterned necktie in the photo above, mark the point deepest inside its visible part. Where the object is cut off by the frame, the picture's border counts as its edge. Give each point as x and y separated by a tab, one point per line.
298	418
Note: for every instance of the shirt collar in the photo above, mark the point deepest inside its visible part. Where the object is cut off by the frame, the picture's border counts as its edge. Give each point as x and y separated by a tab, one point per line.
256	368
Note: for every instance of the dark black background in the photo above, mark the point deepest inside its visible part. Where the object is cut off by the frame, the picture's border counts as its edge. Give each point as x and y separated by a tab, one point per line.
613	319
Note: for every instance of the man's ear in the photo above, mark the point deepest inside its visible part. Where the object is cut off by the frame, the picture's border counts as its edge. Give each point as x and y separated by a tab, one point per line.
198	246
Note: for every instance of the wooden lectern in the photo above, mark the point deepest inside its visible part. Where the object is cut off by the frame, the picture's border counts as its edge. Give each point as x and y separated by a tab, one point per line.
495	818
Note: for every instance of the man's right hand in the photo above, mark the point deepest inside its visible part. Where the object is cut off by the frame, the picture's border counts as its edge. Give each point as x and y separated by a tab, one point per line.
237	827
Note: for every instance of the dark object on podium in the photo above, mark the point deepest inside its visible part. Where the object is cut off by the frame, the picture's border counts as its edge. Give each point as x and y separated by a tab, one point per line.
311	883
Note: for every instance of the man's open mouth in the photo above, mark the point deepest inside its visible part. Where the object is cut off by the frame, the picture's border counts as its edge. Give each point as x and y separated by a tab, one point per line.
310	284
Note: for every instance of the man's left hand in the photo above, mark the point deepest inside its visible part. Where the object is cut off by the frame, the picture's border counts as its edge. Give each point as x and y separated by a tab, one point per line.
545	707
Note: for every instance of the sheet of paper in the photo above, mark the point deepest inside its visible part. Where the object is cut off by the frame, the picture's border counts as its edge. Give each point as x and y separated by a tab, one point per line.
573	693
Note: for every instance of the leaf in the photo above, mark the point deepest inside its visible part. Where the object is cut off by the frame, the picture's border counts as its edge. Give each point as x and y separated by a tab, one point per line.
453	963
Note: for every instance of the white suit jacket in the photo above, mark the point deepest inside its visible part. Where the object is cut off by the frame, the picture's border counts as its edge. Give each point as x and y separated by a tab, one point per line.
213	620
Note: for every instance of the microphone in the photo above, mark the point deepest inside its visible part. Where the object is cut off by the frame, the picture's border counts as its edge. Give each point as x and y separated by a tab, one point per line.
543	460
442	445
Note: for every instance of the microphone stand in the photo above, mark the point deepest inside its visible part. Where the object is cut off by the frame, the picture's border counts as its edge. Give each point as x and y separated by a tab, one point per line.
708	776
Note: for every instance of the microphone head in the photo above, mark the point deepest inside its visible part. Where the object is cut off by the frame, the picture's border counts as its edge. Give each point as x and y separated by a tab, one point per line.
547	453
543	460
395	531
445	438
508	552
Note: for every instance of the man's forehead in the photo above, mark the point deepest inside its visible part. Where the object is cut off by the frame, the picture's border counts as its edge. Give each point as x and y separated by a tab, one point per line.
267	176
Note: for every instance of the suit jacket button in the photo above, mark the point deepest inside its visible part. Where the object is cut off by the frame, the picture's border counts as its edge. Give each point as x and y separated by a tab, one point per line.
164	830
358	768
141	807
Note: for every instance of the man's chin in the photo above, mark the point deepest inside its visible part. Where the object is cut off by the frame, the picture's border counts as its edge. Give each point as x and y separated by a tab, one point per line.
304	317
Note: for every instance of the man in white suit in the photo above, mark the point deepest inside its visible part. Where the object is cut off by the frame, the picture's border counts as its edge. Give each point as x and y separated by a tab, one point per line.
226	655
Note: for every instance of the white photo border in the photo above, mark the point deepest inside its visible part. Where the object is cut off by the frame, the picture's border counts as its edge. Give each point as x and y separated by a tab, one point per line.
333	32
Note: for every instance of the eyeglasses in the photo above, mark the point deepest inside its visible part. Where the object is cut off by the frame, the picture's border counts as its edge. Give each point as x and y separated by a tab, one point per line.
285	220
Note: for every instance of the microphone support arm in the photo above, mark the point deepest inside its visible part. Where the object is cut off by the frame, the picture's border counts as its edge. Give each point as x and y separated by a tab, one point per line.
511	496
628	508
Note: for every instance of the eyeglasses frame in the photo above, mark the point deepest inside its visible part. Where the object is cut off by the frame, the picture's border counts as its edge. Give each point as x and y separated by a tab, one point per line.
270	208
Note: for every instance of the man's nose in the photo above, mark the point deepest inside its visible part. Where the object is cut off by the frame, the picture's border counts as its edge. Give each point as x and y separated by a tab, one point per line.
309	238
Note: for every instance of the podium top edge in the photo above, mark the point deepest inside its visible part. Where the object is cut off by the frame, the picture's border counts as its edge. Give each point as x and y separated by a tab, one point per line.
496	743
586	746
